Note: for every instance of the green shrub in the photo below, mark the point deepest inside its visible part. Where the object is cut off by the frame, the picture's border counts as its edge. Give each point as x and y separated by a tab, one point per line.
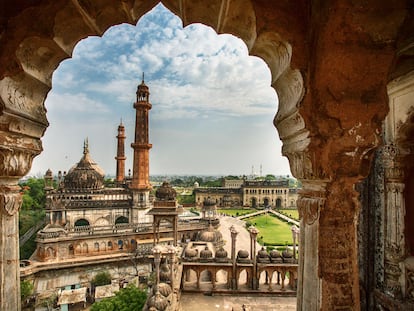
102	278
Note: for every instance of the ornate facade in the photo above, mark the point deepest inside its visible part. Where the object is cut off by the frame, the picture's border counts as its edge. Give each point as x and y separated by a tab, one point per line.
89	223
251	193
330	64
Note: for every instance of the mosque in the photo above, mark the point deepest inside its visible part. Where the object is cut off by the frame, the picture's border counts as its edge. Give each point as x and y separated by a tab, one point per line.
132	234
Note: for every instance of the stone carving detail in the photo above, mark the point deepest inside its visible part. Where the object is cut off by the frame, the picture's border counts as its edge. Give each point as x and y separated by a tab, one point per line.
309	208
10	202
410	285
15	162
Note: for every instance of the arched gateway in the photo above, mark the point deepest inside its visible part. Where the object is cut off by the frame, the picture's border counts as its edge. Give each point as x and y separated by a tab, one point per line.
329	63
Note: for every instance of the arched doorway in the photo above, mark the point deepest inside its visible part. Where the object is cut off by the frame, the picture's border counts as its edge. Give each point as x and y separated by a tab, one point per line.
278	203
26	71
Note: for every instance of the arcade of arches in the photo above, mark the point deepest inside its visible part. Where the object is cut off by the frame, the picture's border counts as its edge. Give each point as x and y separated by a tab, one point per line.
331	63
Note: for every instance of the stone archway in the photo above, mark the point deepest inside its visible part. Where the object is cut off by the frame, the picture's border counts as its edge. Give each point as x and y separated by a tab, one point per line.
325	136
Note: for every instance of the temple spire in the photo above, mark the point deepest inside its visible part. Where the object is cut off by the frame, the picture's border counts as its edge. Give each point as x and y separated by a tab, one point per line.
86	146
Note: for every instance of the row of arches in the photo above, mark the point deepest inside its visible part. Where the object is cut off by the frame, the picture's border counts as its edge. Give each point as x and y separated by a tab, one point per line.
269	278
84	248
83	222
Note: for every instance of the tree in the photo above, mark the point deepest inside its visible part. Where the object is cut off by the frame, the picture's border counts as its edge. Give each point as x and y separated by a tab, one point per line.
26	289
33	193
129	298
102	278
270	177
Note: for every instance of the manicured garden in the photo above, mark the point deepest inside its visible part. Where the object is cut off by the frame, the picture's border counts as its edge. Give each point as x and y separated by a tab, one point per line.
272	231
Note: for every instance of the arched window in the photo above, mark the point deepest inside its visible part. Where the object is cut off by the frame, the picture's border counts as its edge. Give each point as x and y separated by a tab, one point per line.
81	222
121	220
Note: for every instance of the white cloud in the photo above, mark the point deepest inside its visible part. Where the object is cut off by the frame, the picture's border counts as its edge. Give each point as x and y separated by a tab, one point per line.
212	103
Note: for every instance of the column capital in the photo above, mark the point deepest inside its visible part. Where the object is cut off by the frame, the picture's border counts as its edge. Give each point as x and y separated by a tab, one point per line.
311	201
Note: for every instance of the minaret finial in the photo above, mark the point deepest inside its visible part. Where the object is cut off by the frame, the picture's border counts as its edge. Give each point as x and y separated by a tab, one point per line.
121	122
142	77
86	146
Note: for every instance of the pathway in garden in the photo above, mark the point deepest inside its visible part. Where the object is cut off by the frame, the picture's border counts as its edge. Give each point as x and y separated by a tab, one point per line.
282	216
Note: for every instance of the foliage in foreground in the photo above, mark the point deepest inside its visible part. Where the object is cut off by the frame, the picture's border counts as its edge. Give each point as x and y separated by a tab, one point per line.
127	299
26	289
102	278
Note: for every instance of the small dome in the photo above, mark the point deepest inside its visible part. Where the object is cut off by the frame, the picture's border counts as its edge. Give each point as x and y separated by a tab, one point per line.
243	254
165	192
49	173
275	254
163	288
221	253
206	253
158	302
287	254
263	256
190	252
211	235
262	253
196	184
164	272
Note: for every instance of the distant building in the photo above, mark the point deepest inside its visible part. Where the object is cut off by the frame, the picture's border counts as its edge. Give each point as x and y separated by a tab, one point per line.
250	193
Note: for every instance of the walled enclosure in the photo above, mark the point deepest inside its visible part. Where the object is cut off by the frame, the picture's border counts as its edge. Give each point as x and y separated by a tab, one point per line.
330	63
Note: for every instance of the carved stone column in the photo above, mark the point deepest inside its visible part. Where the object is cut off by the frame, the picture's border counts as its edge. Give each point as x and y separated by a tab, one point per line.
14	164
394	243
312	199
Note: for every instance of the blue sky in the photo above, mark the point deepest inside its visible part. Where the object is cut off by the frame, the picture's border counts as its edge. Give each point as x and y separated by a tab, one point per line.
212	111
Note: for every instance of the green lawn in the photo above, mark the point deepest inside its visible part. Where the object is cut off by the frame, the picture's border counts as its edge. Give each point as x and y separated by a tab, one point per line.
292	213
273	230
236	211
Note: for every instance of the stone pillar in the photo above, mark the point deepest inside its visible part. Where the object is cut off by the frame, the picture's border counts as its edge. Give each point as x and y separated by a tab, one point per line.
394	243
253	238
233	234
10	202
312	199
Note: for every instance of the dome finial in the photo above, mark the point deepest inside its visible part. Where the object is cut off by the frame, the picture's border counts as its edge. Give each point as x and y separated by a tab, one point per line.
86	146
142	77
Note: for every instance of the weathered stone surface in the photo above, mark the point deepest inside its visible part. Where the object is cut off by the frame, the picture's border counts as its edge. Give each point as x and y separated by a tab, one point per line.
329	61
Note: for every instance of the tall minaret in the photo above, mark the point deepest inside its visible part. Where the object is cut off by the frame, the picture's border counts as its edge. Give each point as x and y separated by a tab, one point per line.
120	154
140	184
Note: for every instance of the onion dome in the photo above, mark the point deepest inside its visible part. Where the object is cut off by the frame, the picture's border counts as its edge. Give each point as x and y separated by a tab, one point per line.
287	257
263	256
242	254
190	252
206	253
86	175
211	235
221	255
163	288
165	192
164	272
157	302
275	256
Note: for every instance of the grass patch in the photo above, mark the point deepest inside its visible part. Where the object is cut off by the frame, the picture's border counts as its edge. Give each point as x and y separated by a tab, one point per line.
272	230
236	211
292	213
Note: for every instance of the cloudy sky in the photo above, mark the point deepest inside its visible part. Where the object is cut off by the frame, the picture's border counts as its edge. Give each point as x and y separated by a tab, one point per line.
212	104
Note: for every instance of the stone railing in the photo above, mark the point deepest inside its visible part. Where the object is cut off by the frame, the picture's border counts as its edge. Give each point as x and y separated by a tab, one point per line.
119	228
